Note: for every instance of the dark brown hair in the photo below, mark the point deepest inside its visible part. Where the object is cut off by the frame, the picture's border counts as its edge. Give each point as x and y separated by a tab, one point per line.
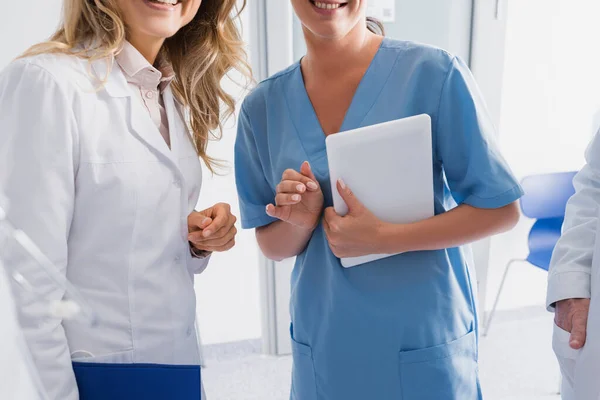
375	26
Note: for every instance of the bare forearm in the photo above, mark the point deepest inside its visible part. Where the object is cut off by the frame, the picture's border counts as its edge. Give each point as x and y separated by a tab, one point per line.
281	240
462	225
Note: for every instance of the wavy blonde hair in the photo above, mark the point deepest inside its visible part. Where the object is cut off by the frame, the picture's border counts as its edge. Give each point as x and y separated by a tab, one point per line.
201	53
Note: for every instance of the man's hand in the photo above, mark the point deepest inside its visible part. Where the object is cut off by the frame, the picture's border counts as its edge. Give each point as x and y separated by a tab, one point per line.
571	315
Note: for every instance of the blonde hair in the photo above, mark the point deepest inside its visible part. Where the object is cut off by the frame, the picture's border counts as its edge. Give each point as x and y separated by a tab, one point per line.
201	53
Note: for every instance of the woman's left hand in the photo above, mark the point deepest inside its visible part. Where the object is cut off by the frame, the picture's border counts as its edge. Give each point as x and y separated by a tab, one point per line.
213	229
358	233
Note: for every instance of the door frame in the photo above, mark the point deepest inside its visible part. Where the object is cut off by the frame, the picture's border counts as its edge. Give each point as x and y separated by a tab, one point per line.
488	38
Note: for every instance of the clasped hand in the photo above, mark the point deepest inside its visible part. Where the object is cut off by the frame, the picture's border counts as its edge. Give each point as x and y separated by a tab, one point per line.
213	229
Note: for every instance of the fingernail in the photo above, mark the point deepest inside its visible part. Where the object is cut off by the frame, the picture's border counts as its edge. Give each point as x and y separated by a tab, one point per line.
296	197
206	233
312	185
342	184
300	188
267	210
205	221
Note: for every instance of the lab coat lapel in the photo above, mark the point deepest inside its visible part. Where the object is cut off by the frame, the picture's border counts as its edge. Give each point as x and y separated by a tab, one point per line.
177	129
110	78
182	144
144	128
141	123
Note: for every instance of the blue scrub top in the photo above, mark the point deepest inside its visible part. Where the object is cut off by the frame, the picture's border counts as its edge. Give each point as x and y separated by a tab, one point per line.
403	327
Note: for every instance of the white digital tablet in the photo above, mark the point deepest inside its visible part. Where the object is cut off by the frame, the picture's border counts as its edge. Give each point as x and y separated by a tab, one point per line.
389	168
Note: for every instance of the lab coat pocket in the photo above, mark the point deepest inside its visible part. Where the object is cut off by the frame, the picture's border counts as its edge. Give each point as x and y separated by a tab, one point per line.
567	356
122	357
447	371
304	386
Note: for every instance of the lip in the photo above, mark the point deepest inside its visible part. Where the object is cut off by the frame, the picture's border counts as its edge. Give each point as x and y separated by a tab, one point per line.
161	7
327	12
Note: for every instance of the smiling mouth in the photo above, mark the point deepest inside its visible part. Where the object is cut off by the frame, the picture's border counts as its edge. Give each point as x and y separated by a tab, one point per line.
327	6
166	2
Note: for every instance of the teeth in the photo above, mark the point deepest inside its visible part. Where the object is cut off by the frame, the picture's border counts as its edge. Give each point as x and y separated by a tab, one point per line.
171	2
327	6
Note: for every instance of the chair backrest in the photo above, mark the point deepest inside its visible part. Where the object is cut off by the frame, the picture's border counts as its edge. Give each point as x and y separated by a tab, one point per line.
546	195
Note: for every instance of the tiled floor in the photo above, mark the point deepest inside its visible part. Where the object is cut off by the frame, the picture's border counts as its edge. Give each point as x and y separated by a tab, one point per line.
517	363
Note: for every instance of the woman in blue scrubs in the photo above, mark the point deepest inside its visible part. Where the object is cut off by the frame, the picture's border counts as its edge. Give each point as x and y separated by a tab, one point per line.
404	327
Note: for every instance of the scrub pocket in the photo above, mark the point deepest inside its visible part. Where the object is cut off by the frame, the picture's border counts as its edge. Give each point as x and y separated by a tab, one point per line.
448	371
304	386
567	360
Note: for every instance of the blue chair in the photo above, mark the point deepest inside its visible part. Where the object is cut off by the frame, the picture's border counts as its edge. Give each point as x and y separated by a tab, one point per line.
545	201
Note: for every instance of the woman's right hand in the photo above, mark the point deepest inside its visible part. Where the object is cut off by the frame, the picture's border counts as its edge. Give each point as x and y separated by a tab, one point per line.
299	199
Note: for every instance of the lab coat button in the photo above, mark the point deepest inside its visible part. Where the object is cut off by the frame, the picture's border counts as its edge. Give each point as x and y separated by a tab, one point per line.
189	331
177	183
149	94
177	259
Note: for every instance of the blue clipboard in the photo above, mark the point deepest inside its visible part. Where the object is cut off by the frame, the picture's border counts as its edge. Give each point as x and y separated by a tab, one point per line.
137	381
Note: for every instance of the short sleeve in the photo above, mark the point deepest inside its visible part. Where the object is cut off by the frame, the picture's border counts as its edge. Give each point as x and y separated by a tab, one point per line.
476	173
254	191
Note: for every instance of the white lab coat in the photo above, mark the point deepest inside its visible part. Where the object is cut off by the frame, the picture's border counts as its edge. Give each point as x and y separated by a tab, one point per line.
575	273
18	376
93	183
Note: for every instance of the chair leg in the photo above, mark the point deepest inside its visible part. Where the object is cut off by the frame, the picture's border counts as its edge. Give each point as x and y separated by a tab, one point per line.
491	316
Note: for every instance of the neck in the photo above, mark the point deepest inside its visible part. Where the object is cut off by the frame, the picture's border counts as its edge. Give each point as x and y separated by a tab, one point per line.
330	56
148	47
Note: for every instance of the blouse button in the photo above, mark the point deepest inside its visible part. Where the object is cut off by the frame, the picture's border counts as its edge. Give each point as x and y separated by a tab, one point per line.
149	94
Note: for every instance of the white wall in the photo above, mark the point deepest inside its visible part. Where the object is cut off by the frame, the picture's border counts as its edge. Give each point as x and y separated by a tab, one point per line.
25	23
549	108
228	292
442	23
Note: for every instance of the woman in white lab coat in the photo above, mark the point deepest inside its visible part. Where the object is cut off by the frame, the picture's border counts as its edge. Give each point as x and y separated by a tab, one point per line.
574	285
101	131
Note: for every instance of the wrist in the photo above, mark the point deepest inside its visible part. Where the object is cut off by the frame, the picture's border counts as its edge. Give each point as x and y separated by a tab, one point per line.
392	238
197	253
307	229
310	225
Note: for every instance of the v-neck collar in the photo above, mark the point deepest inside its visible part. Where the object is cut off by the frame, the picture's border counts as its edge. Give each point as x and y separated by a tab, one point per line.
305	117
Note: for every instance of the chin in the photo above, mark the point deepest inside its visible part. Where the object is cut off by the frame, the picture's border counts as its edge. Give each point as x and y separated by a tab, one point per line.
328	32
163	33
167	34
